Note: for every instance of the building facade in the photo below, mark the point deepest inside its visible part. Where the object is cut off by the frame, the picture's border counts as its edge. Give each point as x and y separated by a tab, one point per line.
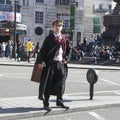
39	14
102	7
93	16
7	24
81	19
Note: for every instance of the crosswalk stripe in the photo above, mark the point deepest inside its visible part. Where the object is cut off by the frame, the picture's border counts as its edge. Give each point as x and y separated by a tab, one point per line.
95	115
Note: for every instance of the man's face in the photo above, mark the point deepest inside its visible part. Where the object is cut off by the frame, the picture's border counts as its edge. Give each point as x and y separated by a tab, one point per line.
57	28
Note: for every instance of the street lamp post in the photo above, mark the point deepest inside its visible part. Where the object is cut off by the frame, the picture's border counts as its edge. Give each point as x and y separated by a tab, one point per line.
14	47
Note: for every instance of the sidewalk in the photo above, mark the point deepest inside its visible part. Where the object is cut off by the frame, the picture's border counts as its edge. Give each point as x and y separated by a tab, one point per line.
26	107
12	62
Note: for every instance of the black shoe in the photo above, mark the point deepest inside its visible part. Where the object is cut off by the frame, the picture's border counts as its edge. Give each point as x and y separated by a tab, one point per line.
47	108
40	98
62	105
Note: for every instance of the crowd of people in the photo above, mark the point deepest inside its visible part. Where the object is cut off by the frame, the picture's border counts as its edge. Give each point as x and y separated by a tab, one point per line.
96	50
6	49
29	48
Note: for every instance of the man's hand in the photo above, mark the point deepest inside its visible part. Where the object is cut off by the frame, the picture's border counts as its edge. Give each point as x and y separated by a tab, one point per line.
64	61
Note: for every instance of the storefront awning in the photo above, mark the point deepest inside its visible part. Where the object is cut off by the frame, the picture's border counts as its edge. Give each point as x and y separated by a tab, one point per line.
21	27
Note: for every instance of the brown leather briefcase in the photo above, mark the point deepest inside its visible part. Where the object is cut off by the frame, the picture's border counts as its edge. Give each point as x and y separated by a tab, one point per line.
37	72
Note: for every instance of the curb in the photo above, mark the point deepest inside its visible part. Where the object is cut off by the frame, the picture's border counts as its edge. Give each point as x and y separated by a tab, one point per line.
82	104
56	112
72	66
16	65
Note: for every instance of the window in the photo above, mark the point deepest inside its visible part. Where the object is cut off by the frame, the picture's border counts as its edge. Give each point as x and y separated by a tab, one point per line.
78	38
110	7
5	5
100	6
25	2
8	1
66	18
66	24
40	1
2	1
96	23
93	7
63	2
58	15
38	17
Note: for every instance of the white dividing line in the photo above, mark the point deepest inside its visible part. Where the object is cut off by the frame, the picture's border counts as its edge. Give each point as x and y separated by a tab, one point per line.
78	81
9	76
118	93
95	115
113	83
97	92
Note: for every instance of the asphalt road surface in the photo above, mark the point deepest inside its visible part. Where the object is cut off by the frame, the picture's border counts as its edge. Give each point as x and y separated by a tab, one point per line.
15	82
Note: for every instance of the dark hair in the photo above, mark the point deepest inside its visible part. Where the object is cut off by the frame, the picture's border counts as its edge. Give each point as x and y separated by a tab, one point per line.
58	21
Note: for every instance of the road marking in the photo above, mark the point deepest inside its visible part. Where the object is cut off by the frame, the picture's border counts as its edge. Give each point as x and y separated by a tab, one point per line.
116	92
113	91
113	83
95	115
7	76
79	81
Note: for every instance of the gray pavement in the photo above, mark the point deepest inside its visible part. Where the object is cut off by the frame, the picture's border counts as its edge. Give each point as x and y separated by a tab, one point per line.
8	62
27	107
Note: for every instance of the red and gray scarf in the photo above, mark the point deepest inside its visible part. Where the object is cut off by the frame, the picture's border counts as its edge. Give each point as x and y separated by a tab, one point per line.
61	42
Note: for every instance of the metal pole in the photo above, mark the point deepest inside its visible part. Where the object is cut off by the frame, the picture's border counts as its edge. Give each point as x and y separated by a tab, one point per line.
91	91
14	47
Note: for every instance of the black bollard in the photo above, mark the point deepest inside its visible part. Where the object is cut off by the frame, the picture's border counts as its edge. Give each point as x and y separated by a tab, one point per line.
91	91
92	77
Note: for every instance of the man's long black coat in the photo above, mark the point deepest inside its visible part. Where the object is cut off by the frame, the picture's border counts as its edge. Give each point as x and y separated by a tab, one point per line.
46	55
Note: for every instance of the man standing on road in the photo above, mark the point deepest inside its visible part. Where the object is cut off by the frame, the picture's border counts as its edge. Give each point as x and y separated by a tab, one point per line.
29	47
53	54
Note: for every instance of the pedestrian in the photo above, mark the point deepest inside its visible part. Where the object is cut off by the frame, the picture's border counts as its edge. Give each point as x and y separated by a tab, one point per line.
19	50
35	50
7	49
53	55
29	47
3	46
0	50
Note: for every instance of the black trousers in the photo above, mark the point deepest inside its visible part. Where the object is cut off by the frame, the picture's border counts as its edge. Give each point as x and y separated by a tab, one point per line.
28	56
55	83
